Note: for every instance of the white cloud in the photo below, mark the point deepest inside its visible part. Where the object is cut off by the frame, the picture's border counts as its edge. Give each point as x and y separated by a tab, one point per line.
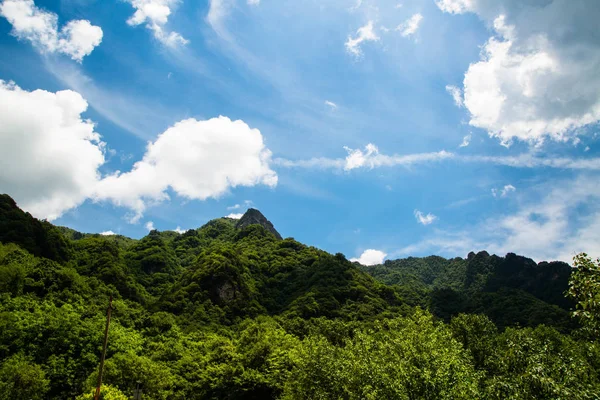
235	215
537	77
217	11
331	104
370	257
410	26
550	225
587	148
456	6
357	158
424	219
77	38
253	2
155	14
550	229
371	158
107	233
50	155
197	160
247	203
504	191
356	6
149	226
365	33
456	95
179	230
466	141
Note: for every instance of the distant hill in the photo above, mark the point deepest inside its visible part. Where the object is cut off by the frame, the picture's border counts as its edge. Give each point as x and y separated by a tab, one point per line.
510	290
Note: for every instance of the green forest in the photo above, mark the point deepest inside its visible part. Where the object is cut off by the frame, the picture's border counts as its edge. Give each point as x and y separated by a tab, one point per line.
233	311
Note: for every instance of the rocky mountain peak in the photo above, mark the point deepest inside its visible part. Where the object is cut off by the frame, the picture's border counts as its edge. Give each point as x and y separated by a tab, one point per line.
253	216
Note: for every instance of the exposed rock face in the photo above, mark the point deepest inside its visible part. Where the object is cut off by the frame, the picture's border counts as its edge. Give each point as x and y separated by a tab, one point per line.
253	216
226	292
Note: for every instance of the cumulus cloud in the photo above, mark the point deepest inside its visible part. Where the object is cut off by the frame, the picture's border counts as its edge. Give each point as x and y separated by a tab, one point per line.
197	160
179	230
363	34
424	219
456	6
466	141
107	233
77	38
370	257
235	215
50	157
538	75
253	2
456	94
49	154
410	26
149	226
155	14
504	191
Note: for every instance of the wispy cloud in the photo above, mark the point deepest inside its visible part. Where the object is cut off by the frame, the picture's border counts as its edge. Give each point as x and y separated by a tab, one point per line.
548	225
466	141
410	26
331	104
371	158
363	34
503	192
425	219
456	94
130	113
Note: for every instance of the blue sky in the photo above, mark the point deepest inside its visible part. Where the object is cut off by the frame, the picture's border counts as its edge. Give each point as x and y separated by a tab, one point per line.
410	127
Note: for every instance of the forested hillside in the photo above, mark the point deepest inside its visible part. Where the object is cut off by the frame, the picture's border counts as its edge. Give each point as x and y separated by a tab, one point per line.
232	311
510	290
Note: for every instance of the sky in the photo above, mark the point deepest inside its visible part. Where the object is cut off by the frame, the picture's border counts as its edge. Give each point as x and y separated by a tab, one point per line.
379	129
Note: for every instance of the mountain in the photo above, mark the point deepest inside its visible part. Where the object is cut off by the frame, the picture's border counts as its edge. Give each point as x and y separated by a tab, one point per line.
253	216
230	310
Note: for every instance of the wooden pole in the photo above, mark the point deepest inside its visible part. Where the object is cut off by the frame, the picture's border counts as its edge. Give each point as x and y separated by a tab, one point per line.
97	395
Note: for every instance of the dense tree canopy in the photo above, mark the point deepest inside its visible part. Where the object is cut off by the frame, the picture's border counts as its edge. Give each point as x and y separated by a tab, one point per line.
222	312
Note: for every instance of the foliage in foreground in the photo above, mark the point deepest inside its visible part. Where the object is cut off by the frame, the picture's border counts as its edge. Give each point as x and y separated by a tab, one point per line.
223	313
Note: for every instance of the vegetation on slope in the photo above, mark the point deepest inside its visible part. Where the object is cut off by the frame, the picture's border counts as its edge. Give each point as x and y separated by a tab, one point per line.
227	313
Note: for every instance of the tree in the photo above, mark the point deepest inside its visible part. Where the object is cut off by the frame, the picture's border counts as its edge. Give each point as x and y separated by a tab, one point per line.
21	379
584	288
107	392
